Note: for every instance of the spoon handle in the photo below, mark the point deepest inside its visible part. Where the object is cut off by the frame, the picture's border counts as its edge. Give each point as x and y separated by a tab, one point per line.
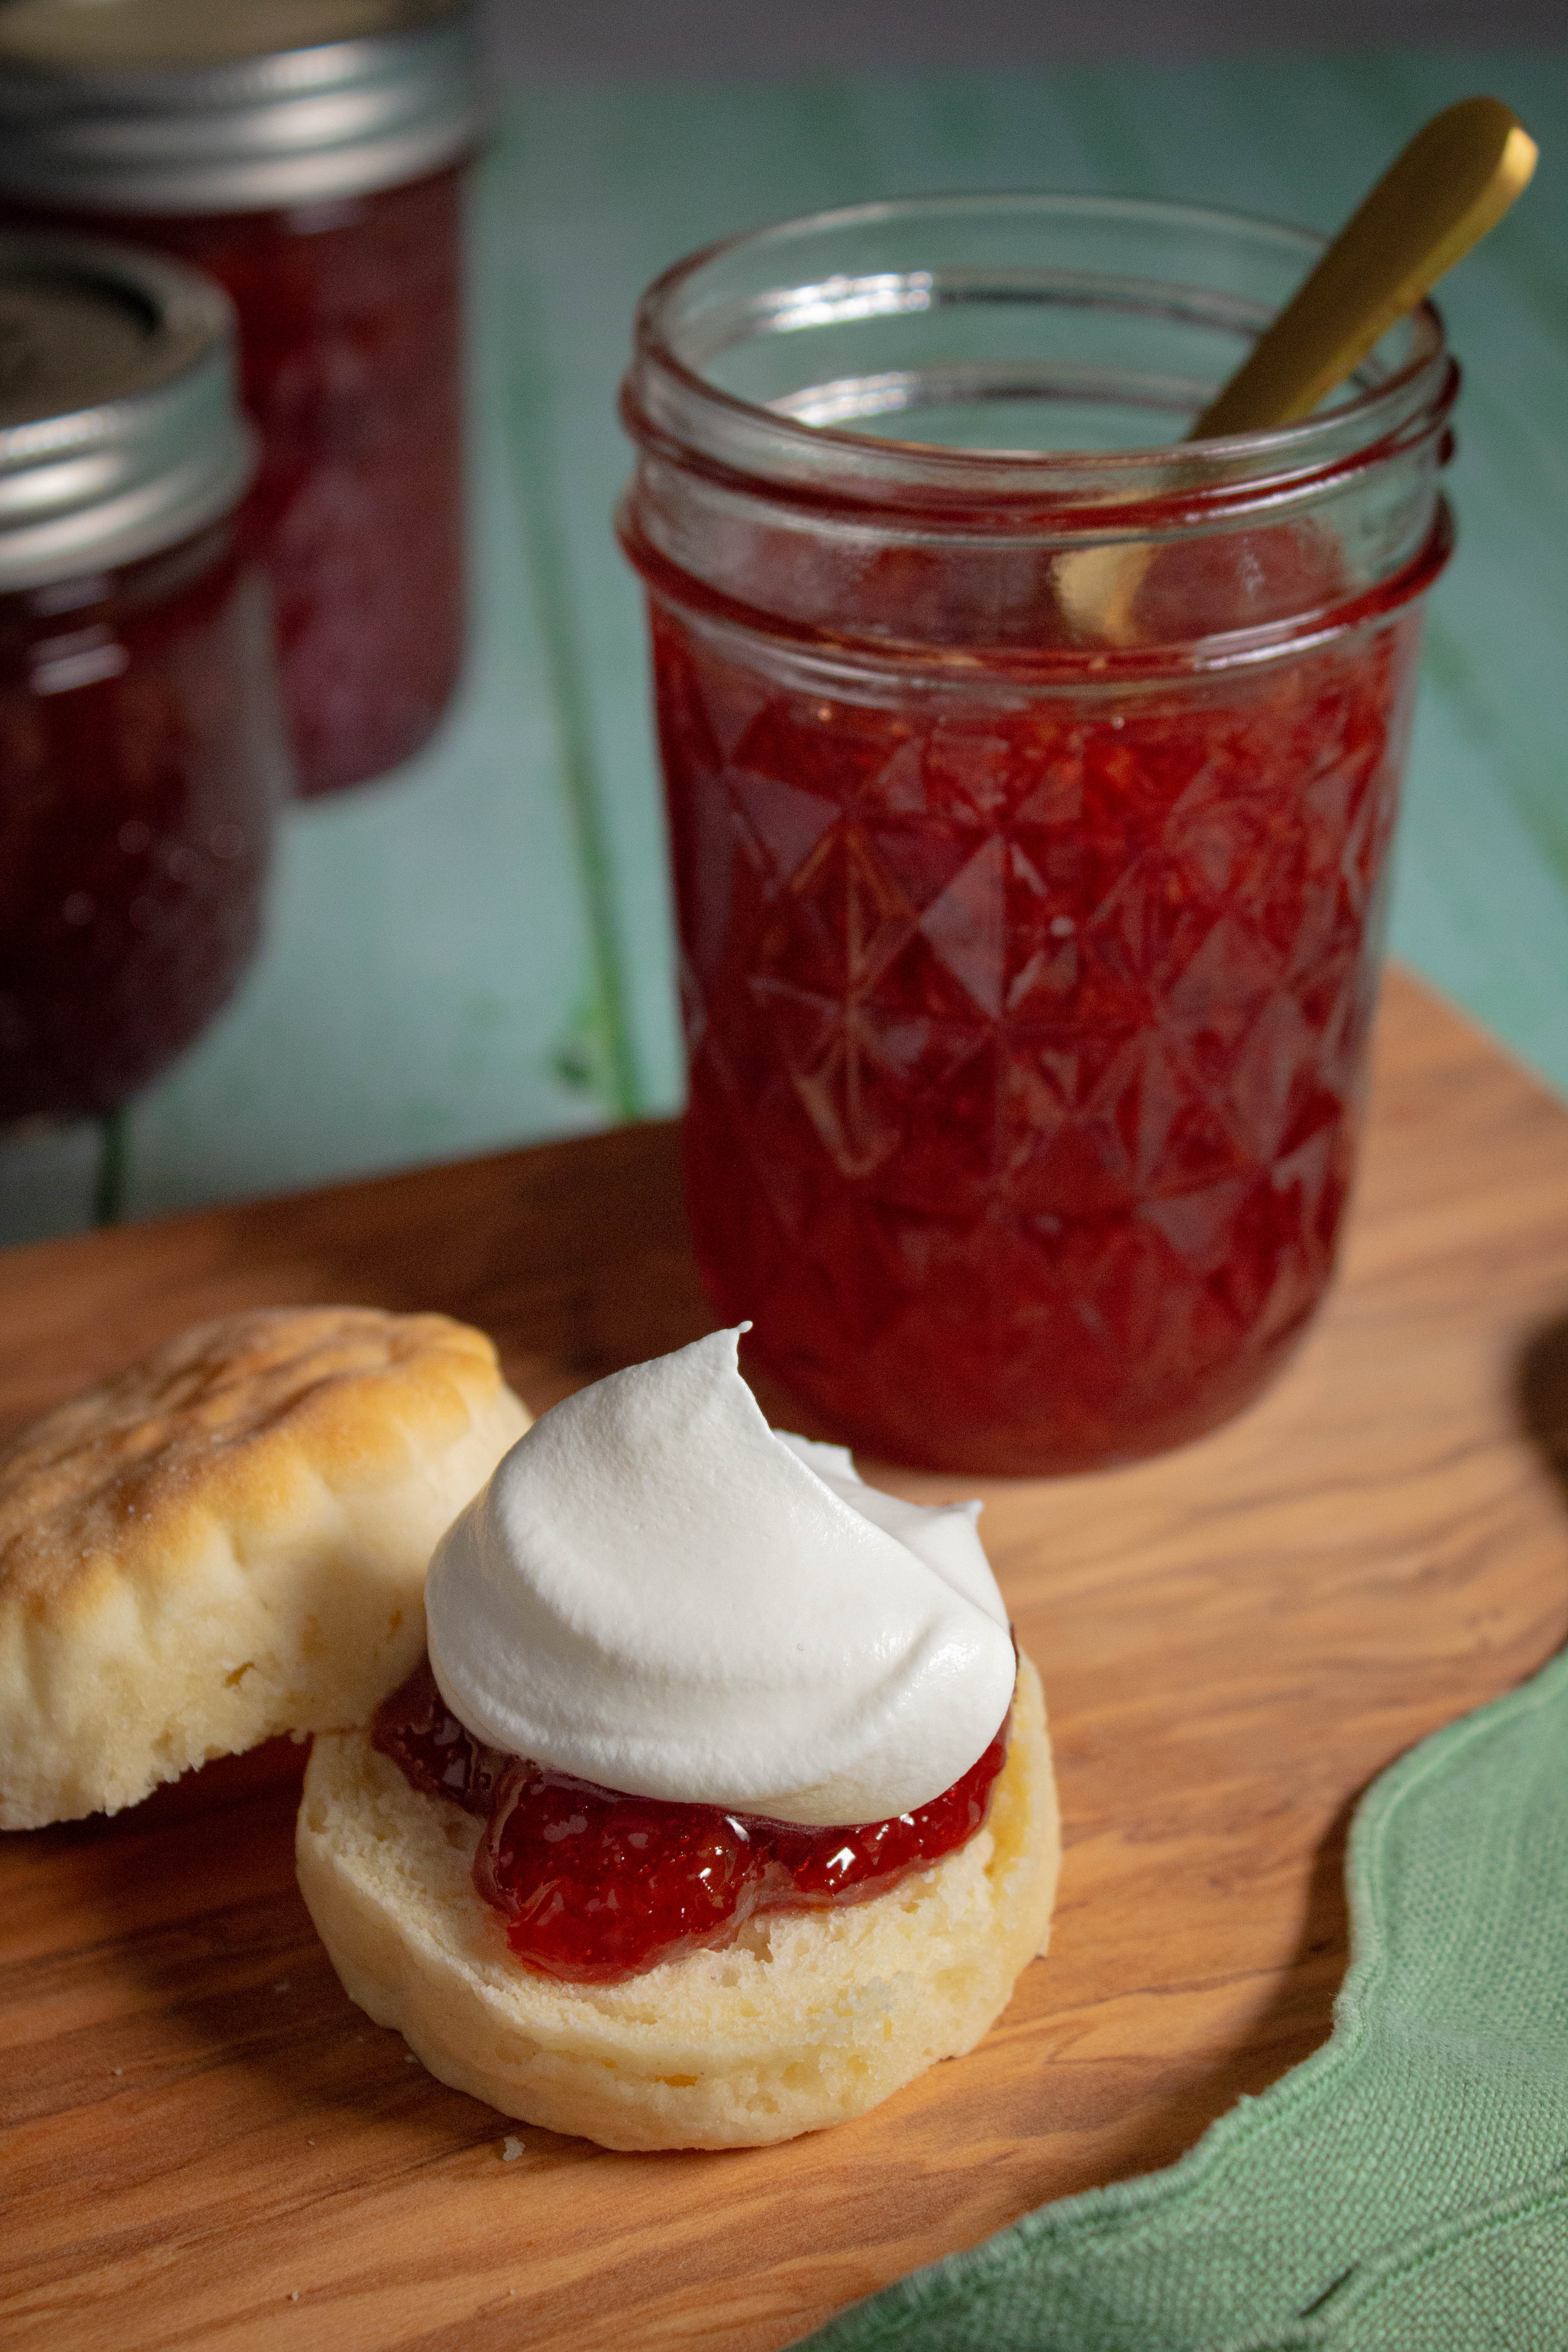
1452	184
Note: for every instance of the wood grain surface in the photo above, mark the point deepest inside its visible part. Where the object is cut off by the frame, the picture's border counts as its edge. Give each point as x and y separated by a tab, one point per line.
204	2144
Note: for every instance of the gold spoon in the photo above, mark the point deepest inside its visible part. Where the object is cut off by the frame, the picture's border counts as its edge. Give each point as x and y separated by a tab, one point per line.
1439	198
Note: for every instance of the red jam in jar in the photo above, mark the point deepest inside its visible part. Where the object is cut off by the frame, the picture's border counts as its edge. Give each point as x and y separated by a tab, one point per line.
597	1886
1029	1043
341	250
1029	816
141	760
137	798
350	339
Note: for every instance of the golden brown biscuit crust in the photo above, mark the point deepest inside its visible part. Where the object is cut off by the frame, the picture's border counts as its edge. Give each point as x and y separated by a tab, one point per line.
230	1541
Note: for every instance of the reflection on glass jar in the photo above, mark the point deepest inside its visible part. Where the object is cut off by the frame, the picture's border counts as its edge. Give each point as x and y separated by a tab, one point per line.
1029	813
307	158
142	757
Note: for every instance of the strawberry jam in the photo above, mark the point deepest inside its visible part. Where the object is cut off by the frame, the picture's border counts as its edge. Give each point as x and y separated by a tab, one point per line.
596	1887
435	1752
1026	1032
141	770
1031	773
350	336
350	340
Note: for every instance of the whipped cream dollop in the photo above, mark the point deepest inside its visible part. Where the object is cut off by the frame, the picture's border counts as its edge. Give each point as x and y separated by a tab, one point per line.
658	1592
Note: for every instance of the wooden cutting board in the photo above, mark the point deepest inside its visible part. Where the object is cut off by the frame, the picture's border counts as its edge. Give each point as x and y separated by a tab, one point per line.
206	2144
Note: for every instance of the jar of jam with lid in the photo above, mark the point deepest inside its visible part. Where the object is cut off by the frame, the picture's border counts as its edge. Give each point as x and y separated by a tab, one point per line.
142	757
308	154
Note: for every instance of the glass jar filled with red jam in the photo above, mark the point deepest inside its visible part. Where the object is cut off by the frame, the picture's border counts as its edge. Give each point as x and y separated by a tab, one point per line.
308	154
141	753
1031	773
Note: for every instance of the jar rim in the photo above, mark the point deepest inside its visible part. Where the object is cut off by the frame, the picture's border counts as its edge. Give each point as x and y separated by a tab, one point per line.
672	409
838	660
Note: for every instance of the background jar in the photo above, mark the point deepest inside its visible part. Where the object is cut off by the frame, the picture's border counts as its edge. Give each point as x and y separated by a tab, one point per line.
1031	783
142	751
309	155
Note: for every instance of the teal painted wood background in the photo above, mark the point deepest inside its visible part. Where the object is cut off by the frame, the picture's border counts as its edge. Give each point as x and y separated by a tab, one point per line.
477	951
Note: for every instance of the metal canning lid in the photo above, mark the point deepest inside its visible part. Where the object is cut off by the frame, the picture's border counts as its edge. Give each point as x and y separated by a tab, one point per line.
120	431
214	106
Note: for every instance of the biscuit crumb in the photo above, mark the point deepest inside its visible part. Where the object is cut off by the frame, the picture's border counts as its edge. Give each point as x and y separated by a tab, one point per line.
510	2149
116	2069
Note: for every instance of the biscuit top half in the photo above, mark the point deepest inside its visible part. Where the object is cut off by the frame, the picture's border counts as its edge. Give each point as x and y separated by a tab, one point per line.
227	1418
228	1541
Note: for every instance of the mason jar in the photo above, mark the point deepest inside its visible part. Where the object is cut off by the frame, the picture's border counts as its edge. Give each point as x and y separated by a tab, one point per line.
309	155
1031	773
142	753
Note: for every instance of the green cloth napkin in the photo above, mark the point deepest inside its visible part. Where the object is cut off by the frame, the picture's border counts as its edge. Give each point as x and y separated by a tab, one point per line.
1406	2189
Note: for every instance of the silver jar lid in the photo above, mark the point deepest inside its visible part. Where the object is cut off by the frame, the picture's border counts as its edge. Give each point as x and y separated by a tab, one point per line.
119	424
215	106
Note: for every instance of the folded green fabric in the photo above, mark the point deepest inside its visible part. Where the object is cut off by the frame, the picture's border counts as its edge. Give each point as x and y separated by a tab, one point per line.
1406	2189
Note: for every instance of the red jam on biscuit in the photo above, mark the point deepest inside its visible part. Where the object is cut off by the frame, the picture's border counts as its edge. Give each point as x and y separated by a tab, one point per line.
597	1886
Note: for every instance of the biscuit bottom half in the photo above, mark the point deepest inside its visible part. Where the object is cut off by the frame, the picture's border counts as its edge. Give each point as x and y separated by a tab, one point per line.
807	2018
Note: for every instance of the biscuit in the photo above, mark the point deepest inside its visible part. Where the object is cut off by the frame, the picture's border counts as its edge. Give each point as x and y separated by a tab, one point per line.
808	2018
229	1541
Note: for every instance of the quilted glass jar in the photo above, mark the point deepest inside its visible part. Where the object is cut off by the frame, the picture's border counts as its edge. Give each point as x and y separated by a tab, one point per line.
1031	776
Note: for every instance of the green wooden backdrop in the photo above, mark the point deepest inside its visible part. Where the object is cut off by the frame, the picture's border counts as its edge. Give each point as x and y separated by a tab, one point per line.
477	952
